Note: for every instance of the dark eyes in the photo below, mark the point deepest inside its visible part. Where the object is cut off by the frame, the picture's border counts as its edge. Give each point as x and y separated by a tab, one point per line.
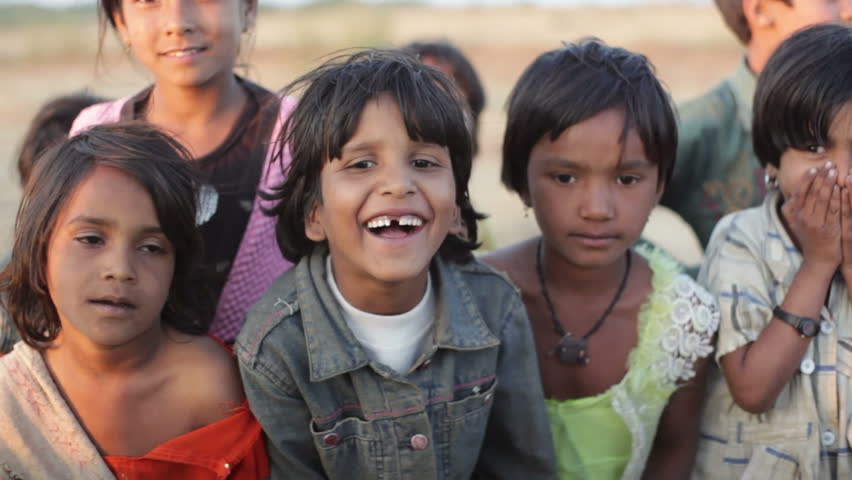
96	240
628	179
90	240
566	178
815	148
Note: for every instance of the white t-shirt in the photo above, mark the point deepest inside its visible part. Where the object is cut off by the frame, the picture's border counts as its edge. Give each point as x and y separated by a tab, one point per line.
393	340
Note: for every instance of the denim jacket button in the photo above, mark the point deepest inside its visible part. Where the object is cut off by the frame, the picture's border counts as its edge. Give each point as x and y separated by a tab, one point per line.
476	389
331	439
419	442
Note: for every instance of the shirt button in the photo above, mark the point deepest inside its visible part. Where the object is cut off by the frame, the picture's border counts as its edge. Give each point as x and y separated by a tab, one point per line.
331	439
227	465
826	327
828	438
476	389
487	397
807	366
426	363
419	442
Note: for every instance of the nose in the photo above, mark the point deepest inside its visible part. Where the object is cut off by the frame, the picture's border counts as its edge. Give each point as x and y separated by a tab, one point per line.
596	203
119	264
179	17
843	163
398	180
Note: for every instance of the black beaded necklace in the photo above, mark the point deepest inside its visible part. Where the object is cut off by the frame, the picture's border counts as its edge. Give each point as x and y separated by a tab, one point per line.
571	349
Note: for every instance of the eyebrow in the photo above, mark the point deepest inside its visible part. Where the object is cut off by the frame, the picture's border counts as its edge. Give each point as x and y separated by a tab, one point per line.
103	222
623	165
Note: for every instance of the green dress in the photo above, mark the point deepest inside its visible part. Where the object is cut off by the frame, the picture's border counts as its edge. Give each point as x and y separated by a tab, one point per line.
609	436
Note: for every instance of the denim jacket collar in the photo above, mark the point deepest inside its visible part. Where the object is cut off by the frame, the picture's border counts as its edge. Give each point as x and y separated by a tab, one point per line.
332	347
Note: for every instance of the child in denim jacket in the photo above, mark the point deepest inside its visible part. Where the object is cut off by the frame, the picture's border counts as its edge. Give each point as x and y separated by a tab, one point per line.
388	351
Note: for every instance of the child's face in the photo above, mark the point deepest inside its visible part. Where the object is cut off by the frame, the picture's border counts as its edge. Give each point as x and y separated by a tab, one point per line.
795	163
109	265
187	43
591	193
387	203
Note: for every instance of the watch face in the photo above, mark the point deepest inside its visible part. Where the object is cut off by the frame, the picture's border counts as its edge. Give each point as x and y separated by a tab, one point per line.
808	327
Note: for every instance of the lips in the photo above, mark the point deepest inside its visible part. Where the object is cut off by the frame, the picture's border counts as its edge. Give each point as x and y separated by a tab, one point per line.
595	240
395	225
113	304
182	52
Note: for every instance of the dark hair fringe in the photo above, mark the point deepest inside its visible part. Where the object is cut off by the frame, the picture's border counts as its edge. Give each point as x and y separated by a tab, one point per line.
144	153
568	85
326	117
802	87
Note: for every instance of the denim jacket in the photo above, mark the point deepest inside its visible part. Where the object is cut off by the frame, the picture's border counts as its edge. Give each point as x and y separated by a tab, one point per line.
471	406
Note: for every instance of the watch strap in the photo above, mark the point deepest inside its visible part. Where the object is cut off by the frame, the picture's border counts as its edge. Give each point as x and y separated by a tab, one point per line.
795	321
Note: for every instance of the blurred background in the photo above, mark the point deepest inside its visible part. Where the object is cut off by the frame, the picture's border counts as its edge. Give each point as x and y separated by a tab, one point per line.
48	48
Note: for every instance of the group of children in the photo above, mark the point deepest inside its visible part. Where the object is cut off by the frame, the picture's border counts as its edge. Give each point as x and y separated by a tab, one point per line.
325	237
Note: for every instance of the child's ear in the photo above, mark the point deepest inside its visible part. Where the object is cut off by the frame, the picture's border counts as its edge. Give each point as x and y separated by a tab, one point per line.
121	28
457	226
313	226
758	14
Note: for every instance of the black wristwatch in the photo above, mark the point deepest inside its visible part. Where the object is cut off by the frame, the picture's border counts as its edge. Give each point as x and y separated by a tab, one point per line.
807	327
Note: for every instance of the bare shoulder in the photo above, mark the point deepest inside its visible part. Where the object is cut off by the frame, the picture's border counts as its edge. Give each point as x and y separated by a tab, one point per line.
208	377
514	260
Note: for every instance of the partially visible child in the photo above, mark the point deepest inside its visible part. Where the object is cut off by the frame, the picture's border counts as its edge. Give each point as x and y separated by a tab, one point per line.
50	125
449	60
781	406
388	351
190	48
115	377
622	338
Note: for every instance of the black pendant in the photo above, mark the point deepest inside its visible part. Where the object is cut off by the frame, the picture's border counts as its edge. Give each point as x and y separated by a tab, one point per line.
571	350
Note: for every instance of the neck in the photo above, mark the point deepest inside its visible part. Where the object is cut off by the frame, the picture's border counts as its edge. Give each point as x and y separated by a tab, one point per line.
81	356
382	298
562	275
176	106
759	51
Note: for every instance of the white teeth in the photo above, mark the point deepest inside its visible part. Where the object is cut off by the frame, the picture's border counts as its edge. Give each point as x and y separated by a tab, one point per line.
405	220
183	53
410	220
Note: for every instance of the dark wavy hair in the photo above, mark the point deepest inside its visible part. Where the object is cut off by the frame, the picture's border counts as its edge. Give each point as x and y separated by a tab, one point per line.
566	86
149	156
802	87
334	95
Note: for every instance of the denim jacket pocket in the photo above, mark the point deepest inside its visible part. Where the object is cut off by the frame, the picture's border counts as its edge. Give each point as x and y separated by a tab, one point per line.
348	443
772	464
466	422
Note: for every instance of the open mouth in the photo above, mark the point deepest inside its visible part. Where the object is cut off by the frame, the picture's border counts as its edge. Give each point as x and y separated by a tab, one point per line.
114	303
184	52
387	226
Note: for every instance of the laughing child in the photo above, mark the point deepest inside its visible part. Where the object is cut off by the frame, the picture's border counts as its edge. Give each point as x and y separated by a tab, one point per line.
388	351
622	338
781	403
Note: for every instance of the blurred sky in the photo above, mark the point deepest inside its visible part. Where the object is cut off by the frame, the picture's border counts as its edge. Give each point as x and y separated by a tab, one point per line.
459	3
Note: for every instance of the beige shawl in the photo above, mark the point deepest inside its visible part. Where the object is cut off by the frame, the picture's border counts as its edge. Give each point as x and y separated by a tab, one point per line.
40	438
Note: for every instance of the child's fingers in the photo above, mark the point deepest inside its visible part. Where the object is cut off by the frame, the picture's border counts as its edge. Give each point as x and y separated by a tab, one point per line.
832	217
805	185
816	201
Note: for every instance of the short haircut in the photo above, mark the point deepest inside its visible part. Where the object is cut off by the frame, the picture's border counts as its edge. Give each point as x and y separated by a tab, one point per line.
566	86
145	154
735	19
802	87
463	74
50	125
327	116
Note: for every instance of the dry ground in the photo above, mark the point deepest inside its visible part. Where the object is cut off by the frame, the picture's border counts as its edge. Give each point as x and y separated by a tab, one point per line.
689	45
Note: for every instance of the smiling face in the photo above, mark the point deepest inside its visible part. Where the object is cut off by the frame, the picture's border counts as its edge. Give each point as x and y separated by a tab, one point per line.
109	265
591	192
386	205
187	43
